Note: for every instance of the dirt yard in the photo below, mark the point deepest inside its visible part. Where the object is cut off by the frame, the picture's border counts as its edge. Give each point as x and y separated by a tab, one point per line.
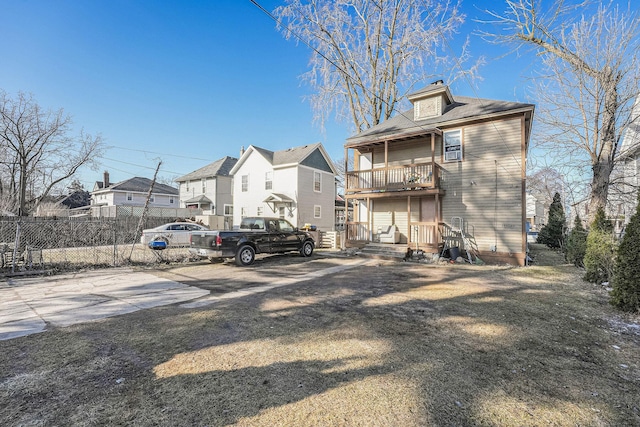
387	344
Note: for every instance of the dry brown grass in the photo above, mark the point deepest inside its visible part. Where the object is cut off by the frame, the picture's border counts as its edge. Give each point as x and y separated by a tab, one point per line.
392	344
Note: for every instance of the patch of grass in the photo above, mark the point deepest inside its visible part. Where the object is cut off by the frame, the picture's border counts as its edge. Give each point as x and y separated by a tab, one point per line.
391	344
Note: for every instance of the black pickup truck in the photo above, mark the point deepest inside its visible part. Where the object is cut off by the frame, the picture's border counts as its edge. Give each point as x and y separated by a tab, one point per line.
256	235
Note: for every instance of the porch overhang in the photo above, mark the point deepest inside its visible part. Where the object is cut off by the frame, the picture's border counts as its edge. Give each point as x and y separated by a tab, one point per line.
277	199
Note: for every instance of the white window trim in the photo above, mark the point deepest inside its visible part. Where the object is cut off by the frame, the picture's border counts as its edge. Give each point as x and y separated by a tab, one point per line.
268	180
460	155
317	211
242	183
319	181
129	197
228	210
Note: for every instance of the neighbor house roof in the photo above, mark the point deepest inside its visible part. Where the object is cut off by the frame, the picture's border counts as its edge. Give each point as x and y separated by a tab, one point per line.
462	109
220	167
140	185
290	156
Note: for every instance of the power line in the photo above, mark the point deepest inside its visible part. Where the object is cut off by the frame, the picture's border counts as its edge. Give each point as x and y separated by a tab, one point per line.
161	154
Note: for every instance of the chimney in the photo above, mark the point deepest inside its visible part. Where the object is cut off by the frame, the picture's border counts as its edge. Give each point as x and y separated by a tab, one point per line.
241	151
105	180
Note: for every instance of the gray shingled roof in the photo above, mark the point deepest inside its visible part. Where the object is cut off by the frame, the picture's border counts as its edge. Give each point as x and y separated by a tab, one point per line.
220	167
293	155
288	156
140	185
462	108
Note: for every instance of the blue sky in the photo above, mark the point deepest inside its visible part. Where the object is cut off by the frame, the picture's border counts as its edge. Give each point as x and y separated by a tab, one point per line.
187	82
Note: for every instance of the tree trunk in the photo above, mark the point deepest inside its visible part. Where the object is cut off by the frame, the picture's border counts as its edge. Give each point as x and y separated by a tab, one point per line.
603	163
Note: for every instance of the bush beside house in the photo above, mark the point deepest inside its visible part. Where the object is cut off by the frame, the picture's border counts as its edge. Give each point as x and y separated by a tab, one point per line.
626	281
599	254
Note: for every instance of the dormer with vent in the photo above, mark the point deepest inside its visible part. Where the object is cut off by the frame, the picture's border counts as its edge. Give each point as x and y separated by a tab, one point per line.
431	101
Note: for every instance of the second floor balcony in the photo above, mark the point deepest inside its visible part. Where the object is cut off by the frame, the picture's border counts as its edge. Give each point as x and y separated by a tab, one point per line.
417	176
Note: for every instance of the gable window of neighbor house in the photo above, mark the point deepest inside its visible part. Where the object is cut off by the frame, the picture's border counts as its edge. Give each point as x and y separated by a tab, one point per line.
245	183
170	200
204	185
152	198
317	211
268	180
317	179
452	146
228	210
260	211
187	185
129	196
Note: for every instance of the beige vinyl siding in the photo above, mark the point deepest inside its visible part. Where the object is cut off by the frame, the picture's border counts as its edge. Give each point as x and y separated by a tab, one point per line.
491	206
404	153
387	212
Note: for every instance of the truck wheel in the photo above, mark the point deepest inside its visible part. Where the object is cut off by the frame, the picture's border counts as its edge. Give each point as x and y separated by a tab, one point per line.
245	256
307	249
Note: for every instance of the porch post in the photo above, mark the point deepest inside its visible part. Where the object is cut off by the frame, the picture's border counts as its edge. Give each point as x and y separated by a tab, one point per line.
410	239
386	163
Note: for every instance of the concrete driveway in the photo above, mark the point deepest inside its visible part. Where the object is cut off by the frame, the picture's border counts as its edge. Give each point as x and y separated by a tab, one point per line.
28	305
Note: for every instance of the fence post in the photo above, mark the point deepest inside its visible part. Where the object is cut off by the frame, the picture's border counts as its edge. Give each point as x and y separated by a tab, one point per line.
16	248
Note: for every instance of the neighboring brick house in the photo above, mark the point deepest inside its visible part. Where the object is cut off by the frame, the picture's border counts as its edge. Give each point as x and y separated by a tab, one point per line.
209	188
133	192
448	163
297	184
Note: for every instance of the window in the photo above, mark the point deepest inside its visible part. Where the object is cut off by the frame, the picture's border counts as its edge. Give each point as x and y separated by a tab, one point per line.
228	210
317	179
245	183
268	180
187	185
129	196
171	200
152	198
204	185
453	146
317	211
281	211
243	212
260	211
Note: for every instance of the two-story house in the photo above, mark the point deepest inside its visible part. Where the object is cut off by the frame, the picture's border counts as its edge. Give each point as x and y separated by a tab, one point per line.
209	188
448	166
133	192
297	184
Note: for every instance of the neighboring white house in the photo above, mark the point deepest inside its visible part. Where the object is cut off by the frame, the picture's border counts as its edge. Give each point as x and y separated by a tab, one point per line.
535	212
297	184
133	192
623	193
209	188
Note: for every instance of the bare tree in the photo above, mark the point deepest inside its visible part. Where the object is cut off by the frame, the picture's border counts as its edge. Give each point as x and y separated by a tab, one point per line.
590	57
369	54
40	153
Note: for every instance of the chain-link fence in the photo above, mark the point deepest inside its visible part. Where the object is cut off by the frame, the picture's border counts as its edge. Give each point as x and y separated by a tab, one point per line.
67	244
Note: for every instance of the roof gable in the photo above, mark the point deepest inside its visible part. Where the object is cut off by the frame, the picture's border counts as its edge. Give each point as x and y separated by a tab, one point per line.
462	109
306	154
221	167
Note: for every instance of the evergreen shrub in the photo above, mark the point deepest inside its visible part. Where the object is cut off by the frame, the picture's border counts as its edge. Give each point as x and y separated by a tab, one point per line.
600	250
626	279
552	234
